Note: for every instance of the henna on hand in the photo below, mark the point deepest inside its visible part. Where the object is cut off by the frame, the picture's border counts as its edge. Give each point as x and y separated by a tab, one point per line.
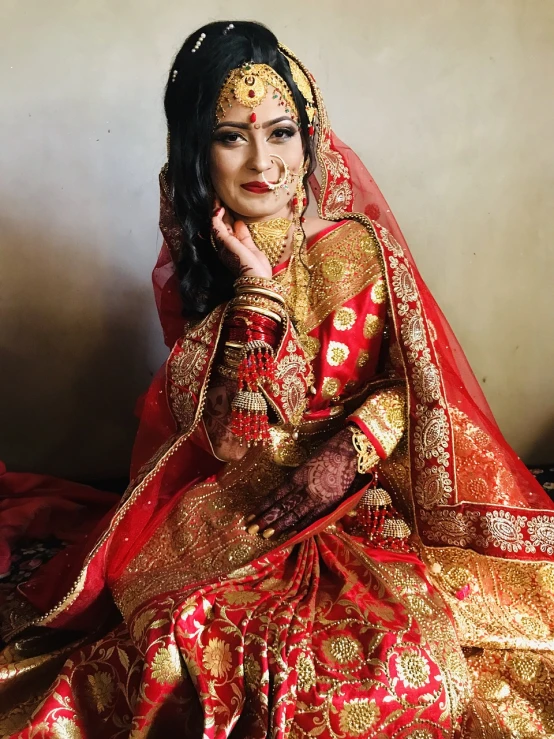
217	419
313	490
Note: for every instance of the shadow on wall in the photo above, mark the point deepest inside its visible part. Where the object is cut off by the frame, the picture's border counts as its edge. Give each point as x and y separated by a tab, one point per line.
73	362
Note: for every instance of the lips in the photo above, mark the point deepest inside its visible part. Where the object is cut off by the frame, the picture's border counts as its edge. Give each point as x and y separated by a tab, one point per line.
257	187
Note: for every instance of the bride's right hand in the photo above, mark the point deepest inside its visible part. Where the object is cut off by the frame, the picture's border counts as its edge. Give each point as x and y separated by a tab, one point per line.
236	248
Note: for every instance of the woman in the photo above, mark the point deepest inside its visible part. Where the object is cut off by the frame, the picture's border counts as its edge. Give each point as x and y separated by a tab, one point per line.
326	534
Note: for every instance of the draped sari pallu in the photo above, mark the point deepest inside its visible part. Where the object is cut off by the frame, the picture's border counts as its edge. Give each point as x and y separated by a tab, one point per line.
319	634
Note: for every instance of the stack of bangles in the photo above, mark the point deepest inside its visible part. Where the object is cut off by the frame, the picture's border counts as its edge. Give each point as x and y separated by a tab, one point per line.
252	333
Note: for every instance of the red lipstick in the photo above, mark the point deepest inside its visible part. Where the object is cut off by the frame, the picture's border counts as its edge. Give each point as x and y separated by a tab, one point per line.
257	187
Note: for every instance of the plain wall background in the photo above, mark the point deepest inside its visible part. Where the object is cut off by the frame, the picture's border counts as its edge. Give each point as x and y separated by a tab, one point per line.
448	102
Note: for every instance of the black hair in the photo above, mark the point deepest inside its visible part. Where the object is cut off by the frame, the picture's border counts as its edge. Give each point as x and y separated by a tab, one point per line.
191	94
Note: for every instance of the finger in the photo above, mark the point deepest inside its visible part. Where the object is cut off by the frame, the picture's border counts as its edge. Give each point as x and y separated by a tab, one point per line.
244	236
270	500
290	520
310	517
295	520
275	511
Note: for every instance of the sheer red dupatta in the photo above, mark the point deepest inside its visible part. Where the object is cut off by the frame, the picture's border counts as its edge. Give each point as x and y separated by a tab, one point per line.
449	418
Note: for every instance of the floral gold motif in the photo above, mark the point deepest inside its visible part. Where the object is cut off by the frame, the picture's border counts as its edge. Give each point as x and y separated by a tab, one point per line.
344	319
337	353
379	291
373	325
358	716
217	657
413	669
166	665
330	387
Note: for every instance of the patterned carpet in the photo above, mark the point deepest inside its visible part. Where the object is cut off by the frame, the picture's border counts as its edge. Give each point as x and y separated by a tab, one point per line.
32	554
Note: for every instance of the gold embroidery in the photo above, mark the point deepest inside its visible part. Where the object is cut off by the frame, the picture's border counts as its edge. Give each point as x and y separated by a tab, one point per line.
290	371
311	346
433	487
166	665
431	436
403	283
65	728
373	325
333	269
348	251
384	415
426	380
504	530
413	669
379	291
362	359
358	716
342	649
306	672
337	353
330	387
217	657
102	689
344	319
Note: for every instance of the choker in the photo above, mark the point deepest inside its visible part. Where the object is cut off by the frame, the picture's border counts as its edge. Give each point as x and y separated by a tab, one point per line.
270	237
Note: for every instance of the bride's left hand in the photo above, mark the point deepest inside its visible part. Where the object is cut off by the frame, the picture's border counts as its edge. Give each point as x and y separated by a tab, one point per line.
314	489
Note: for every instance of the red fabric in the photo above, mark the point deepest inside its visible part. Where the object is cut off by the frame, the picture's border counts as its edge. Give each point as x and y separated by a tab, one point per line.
38	506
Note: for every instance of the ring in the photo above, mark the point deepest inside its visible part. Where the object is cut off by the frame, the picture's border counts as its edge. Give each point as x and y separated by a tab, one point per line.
284	178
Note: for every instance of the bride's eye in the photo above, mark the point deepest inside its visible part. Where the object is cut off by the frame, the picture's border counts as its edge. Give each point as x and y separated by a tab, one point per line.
283	134
231	137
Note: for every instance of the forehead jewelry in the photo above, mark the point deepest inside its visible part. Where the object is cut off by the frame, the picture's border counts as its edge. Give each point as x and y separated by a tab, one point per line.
248	85
198	44
228	28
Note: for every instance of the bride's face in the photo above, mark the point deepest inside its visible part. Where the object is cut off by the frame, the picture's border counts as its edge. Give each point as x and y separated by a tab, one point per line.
242	151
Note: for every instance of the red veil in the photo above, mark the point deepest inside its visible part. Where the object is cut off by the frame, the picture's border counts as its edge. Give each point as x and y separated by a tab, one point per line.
482	522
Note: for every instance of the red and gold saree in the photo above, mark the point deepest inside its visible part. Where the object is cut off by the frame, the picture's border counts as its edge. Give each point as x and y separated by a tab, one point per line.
318	635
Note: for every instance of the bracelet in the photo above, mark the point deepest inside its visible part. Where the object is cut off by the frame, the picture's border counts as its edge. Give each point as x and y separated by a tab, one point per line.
266	283
368	458
231	373
271	294
250	300
258	309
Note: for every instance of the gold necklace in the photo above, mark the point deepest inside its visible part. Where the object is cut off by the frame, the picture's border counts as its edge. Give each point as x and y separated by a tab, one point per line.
270	237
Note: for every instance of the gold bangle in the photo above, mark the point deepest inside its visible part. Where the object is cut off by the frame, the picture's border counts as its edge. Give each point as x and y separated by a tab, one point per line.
262	291
254	300
267	283
368	458
258	309
229	372
234	345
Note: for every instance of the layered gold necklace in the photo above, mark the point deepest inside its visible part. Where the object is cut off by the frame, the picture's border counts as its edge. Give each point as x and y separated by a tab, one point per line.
271	237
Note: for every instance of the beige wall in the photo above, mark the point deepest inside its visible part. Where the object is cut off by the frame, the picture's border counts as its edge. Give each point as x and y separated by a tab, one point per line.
449	103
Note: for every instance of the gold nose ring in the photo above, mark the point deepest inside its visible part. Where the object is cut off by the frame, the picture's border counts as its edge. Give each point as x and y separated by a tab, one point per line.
281	182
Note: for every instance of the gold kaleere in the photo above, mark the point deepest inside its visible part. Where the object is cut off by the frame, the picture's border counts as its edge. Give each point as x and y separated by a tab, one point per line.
270	237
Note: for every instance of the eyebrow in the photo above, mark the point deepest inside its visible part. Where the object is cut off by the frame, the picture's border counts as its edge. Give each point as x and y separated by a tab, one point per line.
246	126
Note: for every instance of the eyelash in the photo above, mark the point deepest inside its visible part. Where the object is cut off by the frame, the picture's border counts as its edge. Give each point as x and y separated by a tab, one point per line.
225	137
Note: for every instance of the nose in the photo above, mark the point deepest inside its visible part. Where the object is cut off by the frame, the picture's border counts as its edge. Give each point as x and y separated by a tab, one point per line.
260	159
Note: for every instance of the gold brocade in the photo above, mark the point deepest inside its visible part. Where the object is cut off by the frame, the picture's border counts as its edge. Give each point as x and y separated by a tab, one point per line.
384	414
343	262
